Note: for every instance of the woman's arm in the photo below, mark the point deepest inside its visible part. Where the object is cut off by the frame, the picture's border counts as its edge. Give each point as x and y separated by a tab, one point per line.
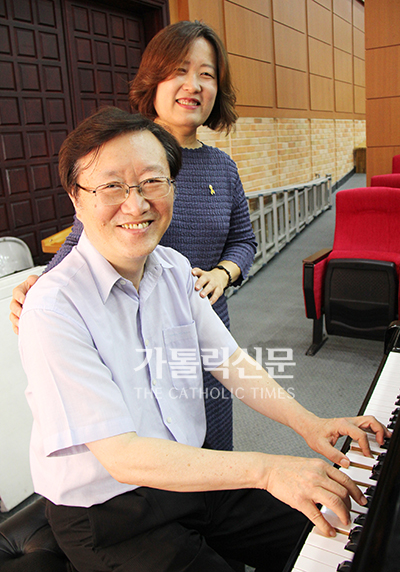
71	241
239	250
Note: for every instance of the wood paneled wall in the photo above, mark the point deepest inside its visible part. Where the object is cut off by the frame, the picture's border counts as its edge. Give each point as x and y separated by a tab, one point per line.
382	19
290	58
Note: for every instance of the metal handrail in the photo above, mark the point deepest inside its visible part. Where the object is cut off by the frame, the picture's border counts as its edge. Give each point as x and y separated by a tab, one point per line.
278	215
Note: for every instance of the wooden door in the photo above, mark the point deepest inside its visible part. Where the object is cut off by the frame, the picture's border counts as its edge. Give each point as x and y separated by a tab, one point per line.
105	46
35	117
60	60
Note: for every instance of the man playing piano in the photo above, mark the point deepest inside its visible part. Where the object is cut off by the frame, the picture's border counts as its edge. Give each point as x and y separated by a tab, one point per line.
112	341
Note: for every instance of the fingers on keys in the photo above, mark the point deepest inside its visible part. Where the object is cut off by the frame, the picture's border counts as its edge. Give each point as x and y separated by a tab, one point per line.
335	495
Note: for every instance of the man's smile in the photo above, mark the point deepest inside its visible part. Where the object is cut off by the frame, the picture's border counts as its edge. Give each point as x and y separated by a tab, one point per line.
135	226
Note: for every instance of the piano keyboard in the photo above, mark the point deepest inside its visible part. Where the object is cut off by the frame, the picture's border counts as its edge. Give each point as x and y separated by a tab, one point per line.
322	554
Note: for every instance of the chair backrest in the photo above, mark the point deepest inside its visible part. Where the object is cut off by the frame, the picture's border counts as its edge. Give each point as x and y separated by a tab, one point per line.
396	164
360	298
367	220
14	255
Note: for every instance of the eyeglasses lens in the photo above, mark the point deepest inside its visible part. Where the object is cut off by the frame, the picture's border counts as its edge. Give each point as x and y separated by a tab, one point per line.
117	193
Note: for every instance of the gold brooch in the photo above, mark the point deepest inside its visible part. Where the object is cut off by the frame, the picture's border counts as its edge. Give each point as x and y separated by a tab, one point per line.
212	192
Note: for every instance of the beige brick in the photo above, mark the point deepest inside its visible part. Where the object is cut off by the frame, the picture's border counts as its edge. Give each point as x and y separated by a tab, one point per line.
273	152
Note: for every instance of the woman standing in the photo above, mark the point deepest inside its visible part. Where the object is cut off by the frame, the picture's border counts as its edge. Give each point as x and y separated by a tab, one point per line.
184	82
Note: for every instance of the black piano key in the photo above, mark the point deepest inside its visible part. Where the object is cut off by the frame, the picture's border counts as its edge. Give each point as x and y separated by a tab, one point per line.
368	553
344	566
375	473
354	538
370	491
361	518
376	469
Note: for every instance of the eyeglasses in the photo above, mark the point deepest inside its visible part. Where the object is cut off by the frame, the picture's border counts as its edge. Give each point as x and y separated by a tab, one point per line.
115	193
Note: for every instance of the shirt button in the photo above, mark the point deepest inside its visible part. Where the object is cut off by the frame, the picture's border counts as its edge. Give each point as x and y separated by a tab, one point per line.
154	382
169	420
146	342
123	282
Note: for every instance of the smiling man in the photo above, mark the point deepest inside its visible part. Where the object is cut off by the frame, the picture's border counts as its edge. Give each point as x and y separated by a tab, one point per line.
112	340
124	225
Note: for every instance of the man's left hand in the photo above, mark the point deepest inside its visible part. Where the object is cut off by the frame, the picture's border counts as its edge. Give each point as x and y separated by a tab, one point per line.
325	434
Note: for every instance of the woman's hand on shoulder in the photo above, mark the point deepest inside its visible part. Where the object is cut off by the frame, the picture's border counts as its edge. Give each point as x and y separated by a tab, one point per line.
210	283
18	299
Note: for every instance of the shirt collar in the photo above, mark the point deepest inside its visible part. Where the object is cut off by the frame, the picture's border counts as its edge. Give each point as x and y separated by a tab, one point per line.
105	274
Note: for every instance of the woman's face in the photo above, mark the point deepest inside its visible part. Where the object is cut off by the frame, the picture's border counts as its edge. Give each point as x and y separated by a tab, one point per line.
184	101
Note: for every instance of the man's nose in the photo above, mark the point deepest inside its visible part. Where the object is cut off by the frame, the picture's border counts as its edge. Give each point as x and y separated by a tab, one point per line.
135	202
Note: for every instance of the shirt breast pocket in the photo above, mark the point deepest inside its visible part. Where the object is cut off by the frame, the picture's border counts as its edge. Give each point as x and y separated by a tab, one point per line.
183	356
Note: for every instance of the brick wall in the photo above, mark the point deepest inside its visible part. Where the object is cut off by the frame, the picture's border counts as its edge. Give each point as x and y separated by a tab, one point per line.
274	152
323	148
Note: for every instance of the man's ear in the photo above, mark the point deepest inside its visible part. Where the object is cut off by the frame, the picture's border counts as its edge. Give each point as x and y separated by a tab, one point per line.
74	200
77	205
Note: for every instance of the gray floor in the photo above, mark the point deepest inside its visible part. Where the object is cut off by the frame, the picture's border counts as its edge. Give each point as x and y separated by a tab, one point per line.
268	313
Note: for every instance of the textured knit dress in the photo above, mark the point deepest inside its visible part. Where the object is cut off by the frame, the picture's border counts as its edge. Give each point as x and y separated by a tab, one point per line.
210	223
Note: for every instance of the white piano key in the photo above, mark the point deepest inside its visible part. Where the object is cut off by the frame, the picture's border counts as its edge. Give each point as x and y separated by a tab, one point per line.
385	397
392	366
305	564
386	394
378	407
382	415
385	400
331	549
322	554
328	558
355	507
387	379
358	458
373	445
379	410
335	521
335	544
317	559
359	476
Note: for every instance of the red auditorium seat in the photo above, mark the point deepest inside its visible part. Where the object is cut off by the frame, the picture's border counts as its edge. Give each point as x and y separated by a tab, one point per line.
354	285
391	179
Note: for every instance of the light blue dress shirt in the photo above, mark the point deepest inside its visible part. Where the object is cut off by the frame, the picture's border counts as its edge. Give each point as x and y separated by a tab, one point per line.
103	359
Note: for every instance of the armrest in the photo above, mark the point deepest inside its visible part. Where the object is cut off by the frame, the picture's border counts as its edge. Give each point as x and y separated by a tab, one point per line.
392	336
389	180
317	256
314	267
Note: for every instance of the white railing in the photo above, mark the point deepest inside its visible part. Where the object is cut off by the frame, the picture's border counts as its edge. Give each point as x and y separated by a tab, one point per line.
278	215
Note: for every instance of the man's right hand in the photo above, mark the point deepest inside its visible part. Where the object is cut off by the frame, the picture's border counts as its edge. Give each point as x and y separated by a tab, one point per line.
305	483
18	299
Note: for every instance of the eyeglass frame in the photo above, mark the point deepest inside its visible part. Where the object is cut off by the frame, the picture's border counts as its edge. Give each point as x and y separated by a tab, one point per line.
171	184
